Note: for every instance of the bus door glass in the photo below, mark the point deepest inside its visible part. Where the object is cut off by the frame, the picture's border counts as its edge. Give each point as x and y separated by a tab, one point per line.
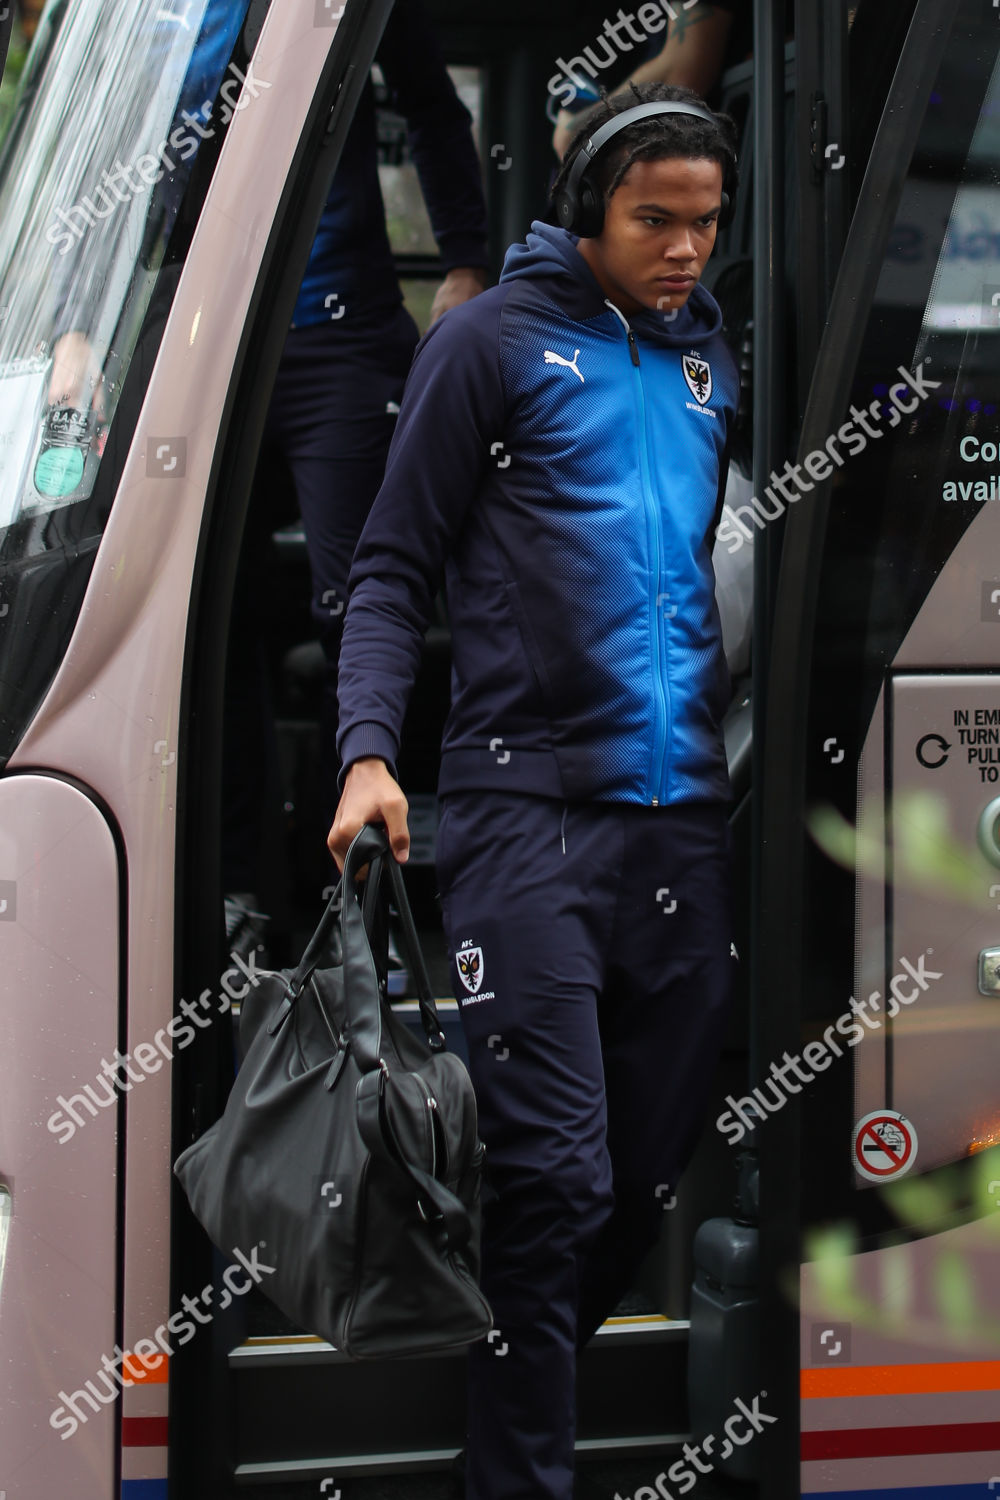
105	156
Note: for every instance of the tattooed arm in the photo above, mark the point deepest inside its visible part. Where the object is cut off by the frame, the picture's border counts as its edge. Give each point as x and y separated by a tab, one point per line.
692	55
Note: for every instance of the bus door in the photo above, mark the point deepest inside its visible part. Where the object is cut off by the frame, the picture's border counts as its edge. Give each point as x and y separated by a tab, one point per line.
878	1043
144	176
302	1413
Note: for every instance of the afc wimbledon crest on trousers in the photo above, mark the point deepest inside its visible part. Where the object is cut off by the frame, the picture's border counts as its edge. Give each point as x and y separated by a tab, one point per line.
471	971
470	968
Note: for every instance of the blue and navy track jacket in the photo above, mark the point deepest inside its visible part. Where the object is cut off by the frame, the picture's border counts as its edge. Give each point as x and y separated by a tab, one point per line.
561	466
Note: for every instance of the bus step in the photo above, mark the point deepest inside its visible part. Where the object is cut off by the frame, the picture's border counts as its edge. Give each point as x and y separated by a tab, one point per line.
298	1395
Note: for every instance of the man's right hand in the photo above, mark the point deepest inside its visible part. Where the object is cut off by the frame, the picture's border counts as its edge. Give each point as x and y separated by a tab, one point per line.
371	795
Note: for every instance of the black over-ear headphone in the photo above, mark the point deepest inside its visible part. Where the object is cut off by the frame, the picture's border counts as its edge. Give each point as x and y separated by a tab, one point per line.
579	205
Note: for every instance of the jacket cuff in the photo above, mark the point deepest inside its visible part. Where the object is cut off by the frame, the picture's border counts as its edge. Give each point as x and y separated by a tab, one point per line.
458	248
362	740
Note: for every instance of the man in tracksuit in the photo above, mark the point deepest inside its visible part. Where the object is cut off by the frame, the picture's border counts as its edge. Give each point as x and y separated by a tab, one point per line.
560	460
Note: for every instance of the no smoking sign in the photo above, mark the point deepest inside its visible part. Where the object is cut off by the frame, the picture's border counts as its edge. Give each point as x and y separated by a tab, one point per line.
885	1146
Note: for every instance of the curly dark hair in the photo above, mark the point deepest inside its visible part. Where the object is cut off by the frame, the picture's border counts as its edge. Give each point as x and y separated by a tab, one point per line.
661	137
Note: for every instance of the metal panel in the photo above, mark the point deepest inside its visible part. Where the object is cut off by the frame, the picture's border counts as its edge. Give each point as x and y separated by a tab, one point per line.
59	946
909	1399
940	1050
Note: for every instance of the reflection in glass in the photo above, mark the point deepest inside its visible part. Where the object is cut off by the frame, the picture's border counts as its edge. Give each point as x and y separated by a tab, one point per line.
113	108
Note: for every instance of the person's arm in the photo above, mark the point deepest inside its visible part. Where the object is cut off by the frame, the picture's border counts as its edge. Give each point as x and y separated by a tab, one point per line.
442	148
460	285
76	378
692	56
31	11
451	414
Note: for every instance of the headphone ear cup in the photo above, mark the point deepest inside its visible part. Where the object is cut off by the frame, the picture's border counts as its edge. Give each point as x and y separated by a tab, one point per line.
730	183
590	219
565	209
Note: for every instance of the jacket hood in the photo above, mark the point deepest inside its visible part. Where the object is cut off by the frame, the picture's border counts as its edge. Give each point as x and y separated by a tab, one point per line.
551	254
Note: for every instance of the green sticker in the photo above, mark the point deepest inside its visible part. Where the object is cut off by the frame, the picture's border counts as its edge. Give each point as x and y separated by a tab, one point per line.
58	472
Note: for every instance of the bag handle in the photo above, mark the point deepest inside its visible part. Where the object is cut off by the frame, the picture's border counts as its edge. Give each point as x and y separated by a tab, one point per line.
314	952
371	846
365	1019
440	1208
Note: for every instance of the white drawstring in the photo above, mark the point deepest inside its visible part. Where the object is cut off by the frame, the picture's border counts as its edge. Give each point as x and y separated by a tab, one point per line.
563	828
619	314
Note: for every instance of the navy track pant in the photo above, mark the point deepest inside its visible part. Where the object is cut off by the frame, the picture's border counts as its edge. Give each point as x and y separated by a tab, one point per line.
590	950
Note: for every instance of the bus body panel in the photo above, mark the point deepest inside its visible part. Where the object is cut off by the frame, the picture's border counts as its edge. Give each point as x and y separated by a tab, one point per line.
60	940
903	1399
958	624
111	716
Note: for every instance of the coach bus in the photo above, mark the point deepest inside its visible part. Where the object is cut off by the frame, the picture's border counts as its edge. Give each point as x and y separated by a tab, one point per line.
822	1317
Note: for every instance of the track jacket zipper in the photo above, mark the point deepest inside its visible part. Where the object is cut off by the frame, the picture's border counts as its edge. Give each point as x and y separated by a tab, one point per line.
656	791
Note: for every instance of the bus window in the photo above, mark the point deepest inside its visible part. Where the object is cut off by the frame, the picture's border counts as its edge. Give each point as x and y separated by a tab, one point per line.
114	134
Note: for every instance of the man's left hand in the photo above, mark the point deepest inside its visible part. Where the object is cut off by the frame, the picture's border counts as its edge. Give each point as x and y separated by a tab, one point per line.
460	285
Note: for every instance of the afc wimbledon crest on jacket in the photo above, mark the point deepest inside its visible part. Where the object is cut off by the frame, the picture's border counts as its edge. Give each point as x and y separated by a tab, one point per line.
698	374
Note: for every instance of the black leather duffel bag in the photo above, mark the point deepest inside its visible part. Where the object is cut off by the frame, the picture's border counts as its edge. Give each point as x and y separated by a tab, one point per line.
349	1148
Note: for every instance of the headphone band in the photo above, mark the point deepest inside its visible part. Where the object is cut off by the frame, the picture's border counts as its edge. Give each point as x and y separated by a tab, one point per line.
592	147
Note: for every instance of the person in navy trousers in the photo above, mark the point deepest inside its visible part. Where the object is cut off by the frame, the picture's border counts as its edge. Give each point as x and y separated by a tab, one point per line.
333	411
560	460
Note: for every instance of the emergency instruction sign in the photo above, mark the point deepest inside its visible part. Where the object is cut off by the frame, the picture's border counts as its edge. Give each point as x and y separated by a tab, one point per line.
885	1146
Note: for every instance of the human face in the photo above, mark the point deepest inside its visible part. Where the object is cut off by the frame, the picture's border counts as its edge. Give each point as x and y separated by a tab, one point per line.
658	233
